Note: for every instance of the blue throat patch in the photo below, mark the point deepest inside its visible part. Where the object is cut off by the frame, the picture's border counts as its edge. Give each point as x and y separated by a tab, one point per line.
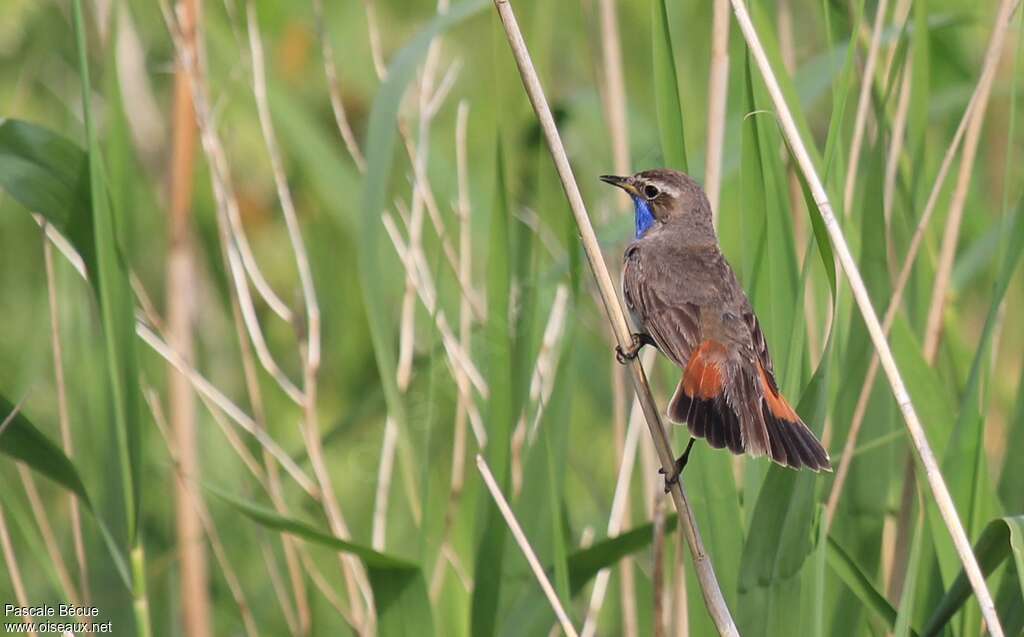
644	217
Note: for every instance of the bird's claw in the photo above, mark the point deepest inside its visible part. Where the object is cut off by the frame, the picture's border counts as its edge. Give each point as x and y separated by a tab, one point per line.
624	356
671	481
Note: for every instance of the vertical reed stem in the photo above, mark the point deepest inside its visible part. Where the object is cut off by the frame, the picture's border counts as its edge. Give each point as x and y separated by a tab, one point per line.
931	467
195	602
705	571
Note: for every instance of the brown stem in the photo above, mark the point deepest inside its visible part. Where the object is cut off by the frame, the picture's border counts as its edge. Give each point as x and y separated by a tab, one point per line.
193	585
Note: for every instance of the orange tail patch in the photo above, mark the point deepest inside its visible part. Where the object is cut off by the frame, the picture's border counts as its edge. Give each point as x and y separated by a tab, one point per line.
776	402
791	443
700	400
703	376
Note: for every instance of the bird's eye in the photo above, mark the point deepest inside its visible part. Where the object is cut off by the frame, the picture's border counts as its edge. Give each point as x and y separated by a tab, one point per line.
651	191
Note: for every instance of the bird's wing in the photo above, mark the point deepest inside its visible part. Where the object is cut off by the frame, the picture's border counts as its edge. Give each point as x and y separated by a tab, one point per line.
670	296
668	318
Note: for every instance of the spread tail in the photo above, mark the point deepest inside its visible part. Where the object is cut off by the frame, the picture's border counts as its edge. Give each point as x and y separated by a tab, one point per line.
745	413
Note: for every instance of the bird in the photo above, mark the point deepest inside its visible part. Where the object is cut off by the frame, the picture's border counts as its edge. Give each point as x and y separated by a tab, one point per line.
684	299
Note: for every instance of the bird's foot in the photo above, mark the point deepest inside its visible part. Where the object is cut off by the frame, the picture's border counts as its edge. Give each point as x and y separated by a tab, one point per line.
680	465
624	356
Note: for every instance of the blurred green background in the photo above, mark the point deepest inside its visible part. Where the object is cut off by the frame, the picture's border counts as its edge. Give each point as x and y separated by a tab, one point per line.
782	571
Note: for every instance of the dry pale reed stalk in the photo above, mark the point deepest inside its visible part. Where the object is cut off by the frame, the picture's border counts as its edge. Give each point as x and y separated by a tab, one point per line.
465	401
458	568
943	500
950	236
615	110
374	35
904	532
211	396
627	574
229	408
613	97
524	546
981	91
457	360
63	245
620	501
146	122
67	441
270	481
218	403
148	312
325	589
384	471
415	264
933	330
334	90
552	244
205	388
356	583
10	557
709	584
681	607
290	545
863	104
240	260
784	24
355	576
463	210
658	592
447	83
187	481
900	14
9	418
278	585
145	303
892	159
542	382
787	48
718	90
429	105
450	557
615	88
420	155
236	229
235	441
193	585
191	60
236	272
284	195
421	184
46	531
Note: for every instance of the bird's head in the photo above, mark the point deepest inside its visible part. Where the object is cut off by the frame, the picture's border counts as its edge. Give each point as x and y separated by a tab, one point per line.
664	196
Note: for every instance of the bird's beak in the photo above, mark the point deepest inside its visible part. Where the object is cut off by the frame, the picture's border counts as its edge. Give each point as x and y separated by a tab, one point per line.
626	183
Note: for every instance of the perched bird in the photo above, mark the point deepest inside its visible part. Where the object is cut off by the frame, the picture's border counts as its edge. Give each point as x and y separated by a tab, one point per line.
685	300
